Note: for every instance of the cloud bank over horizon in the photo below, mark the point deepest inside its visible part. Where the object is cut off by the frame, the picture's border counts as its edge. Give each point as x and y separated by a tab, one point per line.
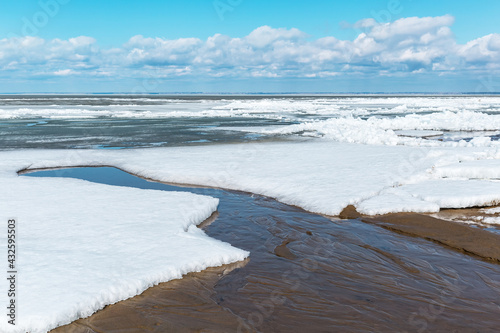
404	47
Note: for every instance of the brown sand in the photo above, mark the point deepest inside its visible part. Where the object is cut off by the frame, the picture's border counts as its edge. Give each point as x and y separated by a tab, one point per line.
457	236
283	251
183	305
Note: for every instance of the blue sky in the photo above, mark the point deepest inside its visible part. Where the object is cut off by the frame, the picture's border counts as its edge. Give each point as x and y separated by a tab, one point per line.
297	24
113	22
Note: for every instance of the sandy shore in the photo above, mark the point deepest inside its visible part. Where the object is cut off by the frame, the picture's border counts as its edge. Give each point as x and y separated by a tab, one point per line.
458	236
183	305
313	273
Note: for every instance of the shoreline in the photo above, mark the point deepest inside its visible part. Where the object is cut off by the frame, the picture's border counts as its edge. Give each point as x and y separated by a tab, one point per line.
421	225
452	234
217	301
455	235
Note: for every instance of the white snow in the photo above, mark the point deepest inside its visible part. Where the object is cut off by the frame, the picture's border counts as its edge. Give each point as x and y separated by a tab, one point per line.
449	193
479	169
394	200
475	219
494	210
418	133
84	245
318	175
491	220
357	106
393	131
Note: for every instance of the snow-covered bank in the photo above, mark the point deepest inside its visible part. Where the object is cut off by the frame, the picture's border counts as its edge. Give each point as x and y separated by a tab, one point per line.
85	245
82	246
320	176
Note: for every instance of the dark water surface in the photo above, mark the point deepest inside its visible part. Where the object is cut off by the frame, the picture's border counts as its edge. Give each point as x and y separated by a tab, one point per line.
130	121
306	273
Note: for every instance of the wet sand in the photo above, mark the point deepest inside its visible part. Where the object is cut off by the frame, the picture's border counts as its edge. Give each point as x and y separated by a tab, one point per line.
183	305
458	236
313	273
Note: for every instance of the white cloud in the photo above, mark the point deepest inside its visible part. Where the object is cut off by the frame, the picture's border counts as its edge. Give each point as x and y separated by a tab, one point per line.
484	50
406	46
409	27
32	56
65	72
265	36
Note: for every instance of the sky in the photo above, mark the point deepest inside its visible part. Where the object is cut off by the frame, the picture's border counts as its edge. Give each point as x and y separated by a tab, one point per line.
249	46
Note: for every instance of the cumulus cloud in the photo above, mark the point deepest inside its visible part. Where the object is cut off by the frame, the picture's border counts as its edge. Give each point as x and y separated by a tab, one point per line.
34	56
265	36
405	46
409	27
484	51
